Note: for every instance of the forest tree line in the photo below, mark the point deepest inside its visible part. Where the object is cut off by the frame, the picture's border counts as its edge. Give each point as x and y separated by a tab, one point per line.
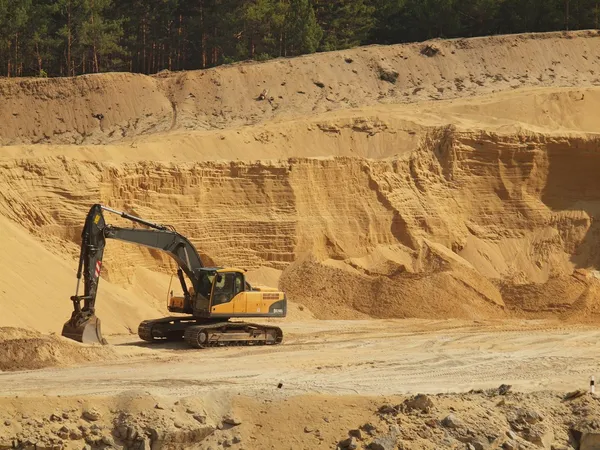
72	37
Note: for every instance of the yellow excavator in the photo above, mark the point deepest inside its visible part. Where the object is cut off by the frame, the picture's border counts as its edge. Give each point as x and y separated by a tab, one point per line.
216	294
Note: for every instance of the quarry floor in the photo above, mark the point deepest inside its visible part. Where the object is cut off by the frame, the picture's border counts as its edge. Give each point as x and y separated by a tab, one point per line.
374	357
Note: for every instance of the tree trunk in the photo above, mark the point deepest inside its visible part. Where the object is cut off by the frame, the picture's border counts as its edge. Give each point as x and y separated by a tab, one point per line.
144	46
39	57
95	67
69	65
567	15
8	65
17	55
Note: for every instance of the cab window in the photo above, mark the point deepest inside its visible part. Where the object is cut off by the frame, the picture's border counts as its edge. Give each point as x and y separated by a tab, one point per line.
239	283
223	290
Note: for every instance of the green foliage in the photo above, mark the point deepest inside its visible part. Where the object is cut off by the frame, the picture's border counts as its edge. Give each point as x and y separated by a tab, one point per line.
70	37
302	31
345	23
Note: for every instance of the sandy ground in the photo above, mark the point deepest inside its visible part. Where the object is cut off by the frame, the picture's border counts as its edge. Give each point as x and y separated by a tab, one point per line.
341	358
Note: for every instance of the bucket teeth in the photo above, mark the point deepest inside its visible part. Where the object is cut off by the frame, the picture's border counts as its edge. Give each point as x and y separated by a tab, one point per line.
87	331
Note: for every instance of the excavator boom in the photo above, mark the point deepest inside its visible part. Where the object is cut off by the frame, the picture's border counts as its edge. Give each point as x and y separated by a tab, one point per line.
84	326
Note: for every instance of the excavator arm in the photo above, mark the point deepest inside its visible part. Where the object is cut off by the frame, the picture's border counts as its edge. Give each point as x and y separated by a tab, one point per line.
84	326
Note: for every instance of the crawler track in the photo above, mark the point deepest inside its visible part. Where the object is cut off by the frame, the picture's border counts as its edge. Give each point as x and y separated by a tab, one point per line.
201	333
232	333
165	329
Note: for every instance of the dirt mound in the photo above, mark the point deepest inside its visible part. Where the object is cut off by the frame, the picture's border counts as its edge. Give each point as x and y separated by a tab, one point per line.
571	298
492	419
22	349
113	107
480	419
337	290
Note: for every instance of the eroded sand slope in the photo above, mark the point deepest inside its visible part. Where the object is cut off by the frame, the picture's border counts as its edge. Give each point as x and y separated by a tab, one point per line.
468	188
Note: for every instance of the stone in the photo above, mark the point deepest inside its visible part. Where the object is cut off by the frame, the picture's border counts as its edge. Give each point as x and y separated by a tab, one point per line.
375	446
64	432
226	443
368	428
93	440
159	406
121	431
91	414
55	418
430	50
178	424
65	415
539	436
387	409
388	74
7	423
355	433
431	423
478	445
348	444
420	402
492	437
132	433
75	435
231	420
589	441
308	429
504	388
108	440
200	418
511	434
236	439
190	411
387	442
509	445
451	421
574	394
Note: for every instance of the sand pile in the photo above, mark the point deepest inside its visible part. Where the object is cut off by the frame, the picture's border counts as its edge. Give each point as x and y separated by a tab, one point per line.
22	349
332	291
108	108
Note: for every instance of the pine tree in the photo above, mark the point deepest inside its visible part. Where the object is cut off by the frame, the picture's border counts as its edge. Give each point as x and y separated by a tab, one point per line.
43	44
345	23
97	34
13	20
303	33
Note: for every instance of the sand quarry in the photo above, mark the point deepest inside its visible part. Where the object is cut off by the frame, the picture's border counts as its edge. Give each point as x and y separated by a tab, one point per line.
429	209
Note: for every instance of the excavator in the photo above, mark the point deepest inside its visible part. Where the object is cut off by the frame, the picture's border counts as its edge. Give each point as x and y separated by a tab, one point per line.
215	295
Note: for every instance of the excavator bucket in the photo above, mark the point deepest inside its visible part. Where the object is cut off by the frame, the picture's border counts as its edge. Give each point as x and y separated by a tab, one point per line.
88	332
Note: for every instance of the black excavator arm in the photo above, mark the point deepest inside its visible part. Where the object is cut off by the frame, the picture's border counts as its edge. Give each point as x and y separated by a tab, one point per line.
84	326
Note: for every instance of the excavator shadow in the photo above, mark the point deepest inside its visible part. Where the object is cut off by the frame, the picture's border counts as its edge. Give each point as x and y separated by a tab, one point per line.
157	345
